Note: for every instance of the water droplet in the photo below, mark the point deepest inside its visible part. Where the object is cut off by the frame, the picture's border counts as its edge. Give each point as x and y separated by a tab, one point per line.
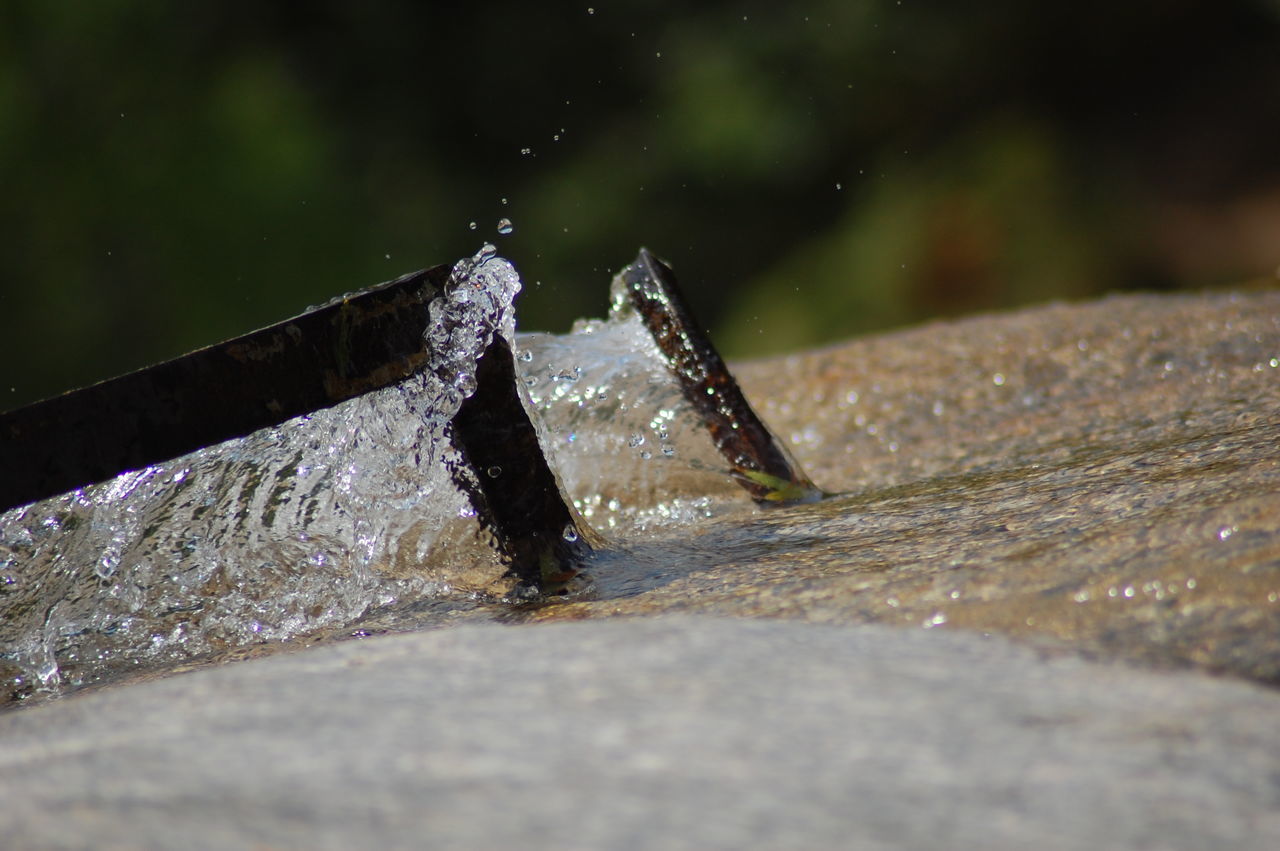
494	472
47	669
471	225
438	335
669	451
590	11
1226	532
106	567
505	227
636	440
570	533
525	356
466	383
646	455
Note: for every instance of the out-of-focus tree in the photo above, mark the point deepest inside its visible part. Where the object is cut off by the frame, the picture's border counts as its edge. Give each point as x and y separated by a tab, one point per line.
176	174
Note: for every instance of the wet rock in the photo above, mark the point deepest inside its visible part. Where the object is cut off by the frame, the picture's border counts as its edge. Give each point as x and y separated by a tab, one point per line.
1097	480
1103	477
661	733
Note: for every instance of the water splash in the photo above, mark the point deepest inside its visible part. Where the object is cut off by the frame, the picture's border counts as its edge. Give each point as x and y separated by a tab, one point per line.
603	396
289	529
329	517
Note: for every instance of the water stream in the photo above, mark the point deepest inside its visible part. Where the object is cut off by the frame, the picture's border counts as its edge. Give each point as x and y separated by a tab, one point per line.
344	512
1116	495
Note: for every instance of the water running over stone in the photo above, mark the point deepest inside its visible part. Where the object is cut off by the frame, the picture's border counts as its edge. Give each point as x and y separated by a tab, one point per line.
289	529
1102	475
627	445
352	514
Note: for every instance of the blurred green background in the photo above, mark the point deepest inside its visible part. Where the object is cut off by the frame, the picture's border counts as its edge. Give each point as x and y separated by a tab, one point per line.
174	174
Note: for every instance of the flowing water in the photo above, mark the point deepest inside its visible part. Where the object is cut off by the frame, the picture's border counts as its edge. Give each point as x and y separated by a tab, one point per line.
287	530
1115	493
346	511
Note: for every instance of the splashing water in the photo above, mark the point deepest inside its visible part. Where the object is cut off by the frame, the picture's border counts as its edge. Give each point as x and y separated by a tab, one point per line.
617	428
289	529
315	523
350	510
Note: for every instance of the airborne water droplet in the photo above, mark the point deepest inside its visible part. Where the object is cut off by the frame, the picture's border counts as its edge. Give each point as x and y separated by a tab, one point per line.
494	471
505	227
471	225
466	383
570	533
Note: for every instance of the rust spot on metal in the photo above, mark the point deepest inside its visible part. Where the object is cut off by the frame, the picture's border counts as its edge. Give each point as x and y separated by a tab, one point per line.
755	457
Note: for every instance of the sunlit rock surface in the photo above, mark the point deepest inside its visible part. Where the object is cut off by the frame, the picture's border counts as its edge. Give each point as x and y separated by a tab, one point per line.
1099	479
1103	475
652	734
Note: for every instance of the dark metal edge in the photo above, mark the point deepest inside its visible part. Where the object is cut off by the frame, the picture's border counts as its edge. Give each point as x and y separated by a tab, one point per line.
756	459
329	354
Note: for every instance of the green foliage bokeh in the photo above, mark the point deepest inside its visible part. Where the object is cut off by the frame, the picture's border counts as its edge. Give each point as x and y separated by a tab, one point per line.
175	174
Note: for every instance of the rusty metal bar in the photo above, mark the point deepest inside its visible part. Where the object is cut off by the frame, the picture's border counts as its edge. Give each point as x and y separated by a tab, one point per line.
757	461
331	353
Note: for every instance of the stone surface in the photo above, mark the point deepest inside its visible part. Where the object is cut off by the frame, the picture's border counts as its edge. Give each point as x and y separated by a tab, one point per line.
660	733
1102	476
1098	482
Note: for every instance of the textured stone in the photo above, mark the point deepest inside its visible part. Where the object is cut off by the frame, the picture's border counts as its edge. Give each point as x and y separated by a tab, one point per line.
661	733
1098	482
1103	476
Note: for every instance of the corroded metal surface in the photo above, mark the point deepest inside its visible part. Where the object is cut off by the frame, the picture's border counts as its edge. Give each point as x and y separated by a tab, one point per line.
512	485
758	462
